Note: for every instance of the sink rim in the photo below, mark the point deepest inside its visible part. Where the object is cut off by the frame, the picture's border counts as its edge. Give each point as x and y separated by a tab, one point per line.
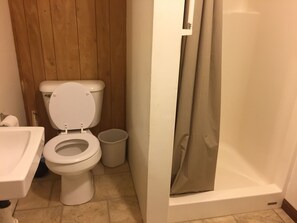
17	143
24	171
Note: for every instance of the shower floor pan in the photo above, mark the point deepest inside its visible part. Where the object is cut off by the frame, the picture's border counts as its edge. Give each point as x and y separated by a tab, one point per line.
238	189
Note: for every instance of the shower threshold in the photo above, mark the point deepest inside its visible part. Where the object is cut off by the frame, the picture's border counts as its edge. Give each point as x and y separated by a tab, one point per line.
239	188
224	202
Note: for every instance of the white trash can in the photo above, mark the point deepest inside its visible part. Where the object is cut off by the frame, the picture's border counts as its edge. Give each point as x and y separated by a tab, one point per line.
113	145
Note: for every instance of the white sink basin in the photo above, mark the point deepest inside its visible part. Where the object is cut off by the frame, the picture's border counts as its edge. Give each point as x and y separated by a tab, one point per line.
20	152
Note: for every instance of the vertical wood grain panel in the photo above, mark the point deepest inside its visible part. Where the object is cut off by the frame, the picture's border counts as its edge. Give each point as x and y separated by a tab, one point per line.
118	61
36	52
24	57
49	58
34	41
65	39
47	38
86	24
103	48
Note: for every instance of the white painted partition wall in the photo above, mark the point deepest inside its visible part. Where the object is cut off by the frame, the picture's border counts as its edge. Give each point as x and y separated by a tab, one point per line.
153	52
263	65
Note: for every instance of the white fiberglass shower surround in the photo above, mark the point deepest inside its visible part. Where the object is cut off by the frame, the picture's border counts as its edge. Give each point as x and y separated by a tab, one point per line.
258	113
258	122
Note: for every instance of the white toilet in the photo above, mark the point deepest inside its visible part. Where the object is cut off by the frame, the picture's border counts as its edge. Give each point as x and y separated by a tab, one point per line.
73	107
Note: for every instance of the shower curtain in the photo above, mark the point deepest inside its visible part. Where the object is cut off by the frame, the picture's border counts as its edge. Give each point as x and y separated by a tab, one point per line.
198	108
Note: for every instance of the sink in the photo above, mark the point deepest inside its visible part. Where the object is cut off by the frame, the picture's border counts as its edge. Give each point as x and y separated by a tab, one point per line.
20	153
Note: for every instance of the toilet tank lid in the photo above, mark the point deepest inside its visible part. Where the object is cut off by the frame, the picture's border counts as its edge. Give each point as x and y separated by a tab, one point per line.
92	85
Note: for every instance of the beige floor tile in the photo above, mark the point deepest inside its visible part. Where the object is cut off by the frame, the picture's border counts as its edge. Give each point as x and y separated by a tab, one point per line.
55	195
13	204
119	169
268	216
193	221
37	197
283	215
98	169
86	213
44	215
225	219
124	210
49	176
113	186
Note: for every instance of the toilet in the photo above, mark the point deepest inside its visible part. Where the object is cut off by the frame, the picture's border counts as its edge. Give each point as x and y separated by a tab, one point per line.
73	107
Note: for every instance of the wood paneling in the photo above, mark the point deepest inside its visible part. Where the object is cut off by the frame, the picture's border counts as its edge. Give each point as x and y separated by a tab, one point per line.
87	37
103	52
46	32
23	55
65	39
118	66
71	40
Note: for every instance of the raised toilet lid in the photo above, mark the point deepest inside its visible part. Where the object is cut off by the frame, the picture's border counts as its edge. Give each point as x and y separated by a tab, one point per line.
72	106
51	154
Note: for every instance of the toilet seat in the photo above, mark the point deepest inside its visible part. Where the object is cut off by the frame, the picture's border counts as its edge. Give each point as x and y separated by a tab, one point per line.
71	107
51	146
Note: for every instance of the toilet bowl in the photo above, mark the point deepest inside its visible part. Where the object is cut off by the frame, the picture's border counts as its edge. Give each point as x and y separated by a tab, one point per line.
75	151
72	156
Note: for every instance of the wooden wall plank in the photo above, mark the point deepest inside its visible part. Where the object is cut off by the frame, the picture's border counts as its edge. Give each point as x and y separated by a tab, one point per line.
47	38
103	51
87	37
36	52
71	39
34	37
24	57
65	39
118	61
49	58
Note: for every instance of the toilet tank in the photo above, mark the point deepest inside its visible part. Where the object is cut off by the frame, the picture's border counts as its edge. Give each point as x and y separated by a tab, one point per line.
96	88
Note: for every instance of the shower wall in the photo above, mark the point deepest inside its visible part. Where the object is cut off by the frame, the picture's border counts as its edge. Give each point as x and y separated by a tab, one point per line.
258	86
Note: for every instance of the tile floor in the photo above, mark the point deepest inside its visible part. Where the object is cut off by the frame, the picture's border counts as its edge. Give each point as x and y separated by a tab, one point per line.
114	202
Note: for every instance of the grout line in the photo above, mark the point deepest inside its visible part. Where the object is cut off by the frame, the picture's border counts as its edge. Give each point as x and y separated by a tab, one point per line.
108	211
233	216
122	197
51	193
40	208
61	215
279	216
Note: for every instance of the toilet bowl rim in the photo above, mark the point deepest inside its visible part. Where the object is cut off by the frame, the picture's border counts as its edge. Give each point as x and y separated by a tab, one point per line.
50	148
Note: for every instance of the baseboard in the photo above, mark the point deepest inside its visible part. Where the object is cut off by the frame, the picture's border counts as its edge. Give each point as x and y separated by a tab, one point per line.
290	210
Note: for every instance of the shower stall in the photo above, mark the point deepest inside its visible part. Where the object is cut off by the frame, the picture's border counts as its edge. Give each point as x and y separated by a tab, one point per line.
258	112
258	140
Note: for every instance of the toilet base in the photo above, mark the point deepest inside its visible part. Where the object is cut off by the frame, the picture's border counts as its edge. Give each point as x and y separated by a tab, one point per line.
77	189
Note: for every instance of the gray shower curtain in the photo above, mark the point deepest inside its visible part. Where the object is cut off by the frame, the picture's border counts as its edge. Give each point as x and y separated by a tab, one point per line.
198	108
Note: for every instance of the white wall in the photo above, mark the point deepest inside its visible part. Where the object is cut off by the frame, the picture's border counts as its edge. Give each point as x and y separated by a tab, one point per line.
154	37
259	83
11	100
139	51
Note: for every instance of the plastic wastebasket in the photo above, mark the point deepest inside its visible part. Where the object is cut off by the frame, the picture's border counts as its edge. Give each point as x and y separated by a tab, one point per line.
113	145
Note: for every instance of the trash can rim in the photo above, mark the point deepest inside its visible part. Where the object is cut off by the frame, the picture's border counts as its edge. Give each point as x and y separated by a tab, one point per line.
113	142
